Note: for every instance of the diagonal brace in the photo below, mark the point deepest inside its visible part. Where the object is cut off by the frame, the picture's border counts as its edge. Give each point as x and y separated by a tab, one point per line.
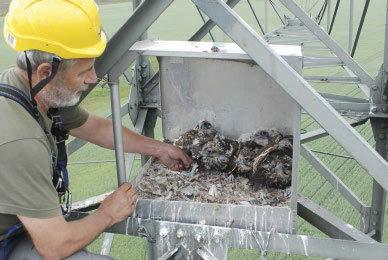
330	43
332	179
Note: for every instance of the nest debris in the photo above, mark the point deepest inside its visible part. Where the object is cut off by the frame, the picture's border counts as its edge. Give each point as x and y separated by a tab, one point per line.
255	169
161	183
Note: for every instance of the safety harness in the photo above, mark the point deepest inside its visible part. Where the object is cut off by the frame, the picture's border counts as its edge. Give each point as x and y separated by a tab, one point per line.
60	177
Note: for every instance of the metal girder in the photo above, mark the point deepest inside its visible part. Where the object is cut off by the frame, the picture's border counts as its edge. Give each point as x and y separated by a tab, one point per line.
332	79
386	39
300	90
329	42
197	36
313	62
362	86
319	133
349	105
106	243
212	237
333	180
341	98
77	143
379	126
328	223
205	29
143	17
117	132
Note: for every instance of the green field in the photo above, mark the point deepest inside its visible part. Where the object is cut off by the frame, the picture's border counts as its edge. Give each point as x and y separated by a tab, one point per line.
178	23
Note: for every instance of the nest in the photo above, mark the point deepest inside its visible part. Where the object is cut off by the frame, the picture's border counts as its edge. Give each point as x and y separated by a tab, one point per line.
264	156
255	169
206	187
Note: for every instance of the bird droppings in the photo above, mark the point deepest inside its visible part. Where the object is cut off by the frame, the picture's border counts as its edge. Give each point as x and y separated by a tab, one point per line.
255	169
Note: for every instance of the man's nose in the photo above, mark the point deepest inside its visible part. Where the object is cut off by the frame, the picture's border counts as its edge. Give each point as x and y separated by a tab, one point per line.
91	77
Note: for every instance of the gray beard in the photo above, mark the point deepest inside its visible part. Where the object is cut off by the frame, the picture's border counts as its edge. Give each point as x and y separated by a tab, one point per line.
60	96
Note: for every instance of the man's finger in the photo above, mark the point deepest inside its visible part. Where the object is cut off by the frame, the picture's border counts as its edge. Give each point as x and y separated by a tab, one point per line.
186	160
125	186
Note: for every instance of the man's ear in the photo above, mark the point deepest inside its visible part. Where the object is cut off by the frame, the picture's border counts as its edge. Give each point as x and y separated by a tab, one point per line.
43	71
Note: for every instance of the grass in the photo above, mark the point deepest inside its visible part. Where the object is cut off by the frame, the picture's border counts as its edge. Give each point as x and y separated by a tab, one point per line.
93	179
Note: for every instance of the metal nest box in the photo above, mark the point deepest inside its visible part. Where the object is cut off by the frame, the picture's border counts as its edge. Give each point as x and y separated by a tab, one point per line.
219	83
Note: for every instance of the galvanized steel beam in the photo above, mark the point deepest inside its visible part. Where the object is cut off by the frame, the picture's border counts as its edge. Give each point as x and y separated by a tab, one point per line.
329	42
386	39
210	237
319	133
328	223
333	180
332	79
117	131
197	36
239	31
143	17
312	62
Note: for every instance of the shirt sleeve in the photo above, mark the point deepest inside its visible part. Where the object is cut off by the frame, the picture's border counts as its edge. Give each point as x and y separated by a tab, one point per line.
73	117
26	188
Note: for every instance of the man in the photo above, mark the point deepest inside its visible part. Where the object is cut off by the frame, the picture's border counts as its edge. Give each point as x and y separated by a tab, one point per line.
57	43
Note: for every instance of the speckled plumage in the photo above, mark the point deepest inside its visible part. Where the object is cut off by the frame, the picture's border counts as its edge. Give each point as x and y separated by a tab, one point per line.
264	156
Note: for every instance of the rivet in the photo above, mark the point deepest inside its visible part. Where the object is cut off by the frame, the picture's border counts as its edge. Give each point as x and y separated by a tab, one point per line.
163	232
217	239
198	237
180	234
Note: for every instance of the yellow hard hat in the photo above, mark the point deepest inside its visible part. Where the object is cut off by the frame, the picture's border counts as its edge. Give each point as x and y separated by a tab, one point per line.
68	28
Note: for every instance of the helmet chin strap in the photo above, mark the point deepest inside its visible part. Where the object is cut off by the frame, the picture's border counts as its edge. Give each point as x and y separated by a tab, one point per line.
41	84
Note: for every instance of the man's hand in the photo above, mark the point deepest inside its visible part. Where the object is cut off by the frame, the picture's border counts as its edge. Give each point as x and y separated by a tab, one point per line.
173	157
119	204
54	238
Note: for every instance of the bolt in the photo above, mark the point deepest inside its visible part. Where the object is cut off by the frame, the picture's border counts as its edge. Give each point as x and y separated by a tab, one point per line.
144	75
374	223
144	65
374	110
215	49
217	239
163	232
198	237
375	212
180	234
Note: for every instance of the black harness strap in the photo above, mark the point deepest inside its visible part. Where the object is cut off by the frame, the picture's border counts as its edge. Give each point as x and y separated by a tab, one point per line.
18	96
60	175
